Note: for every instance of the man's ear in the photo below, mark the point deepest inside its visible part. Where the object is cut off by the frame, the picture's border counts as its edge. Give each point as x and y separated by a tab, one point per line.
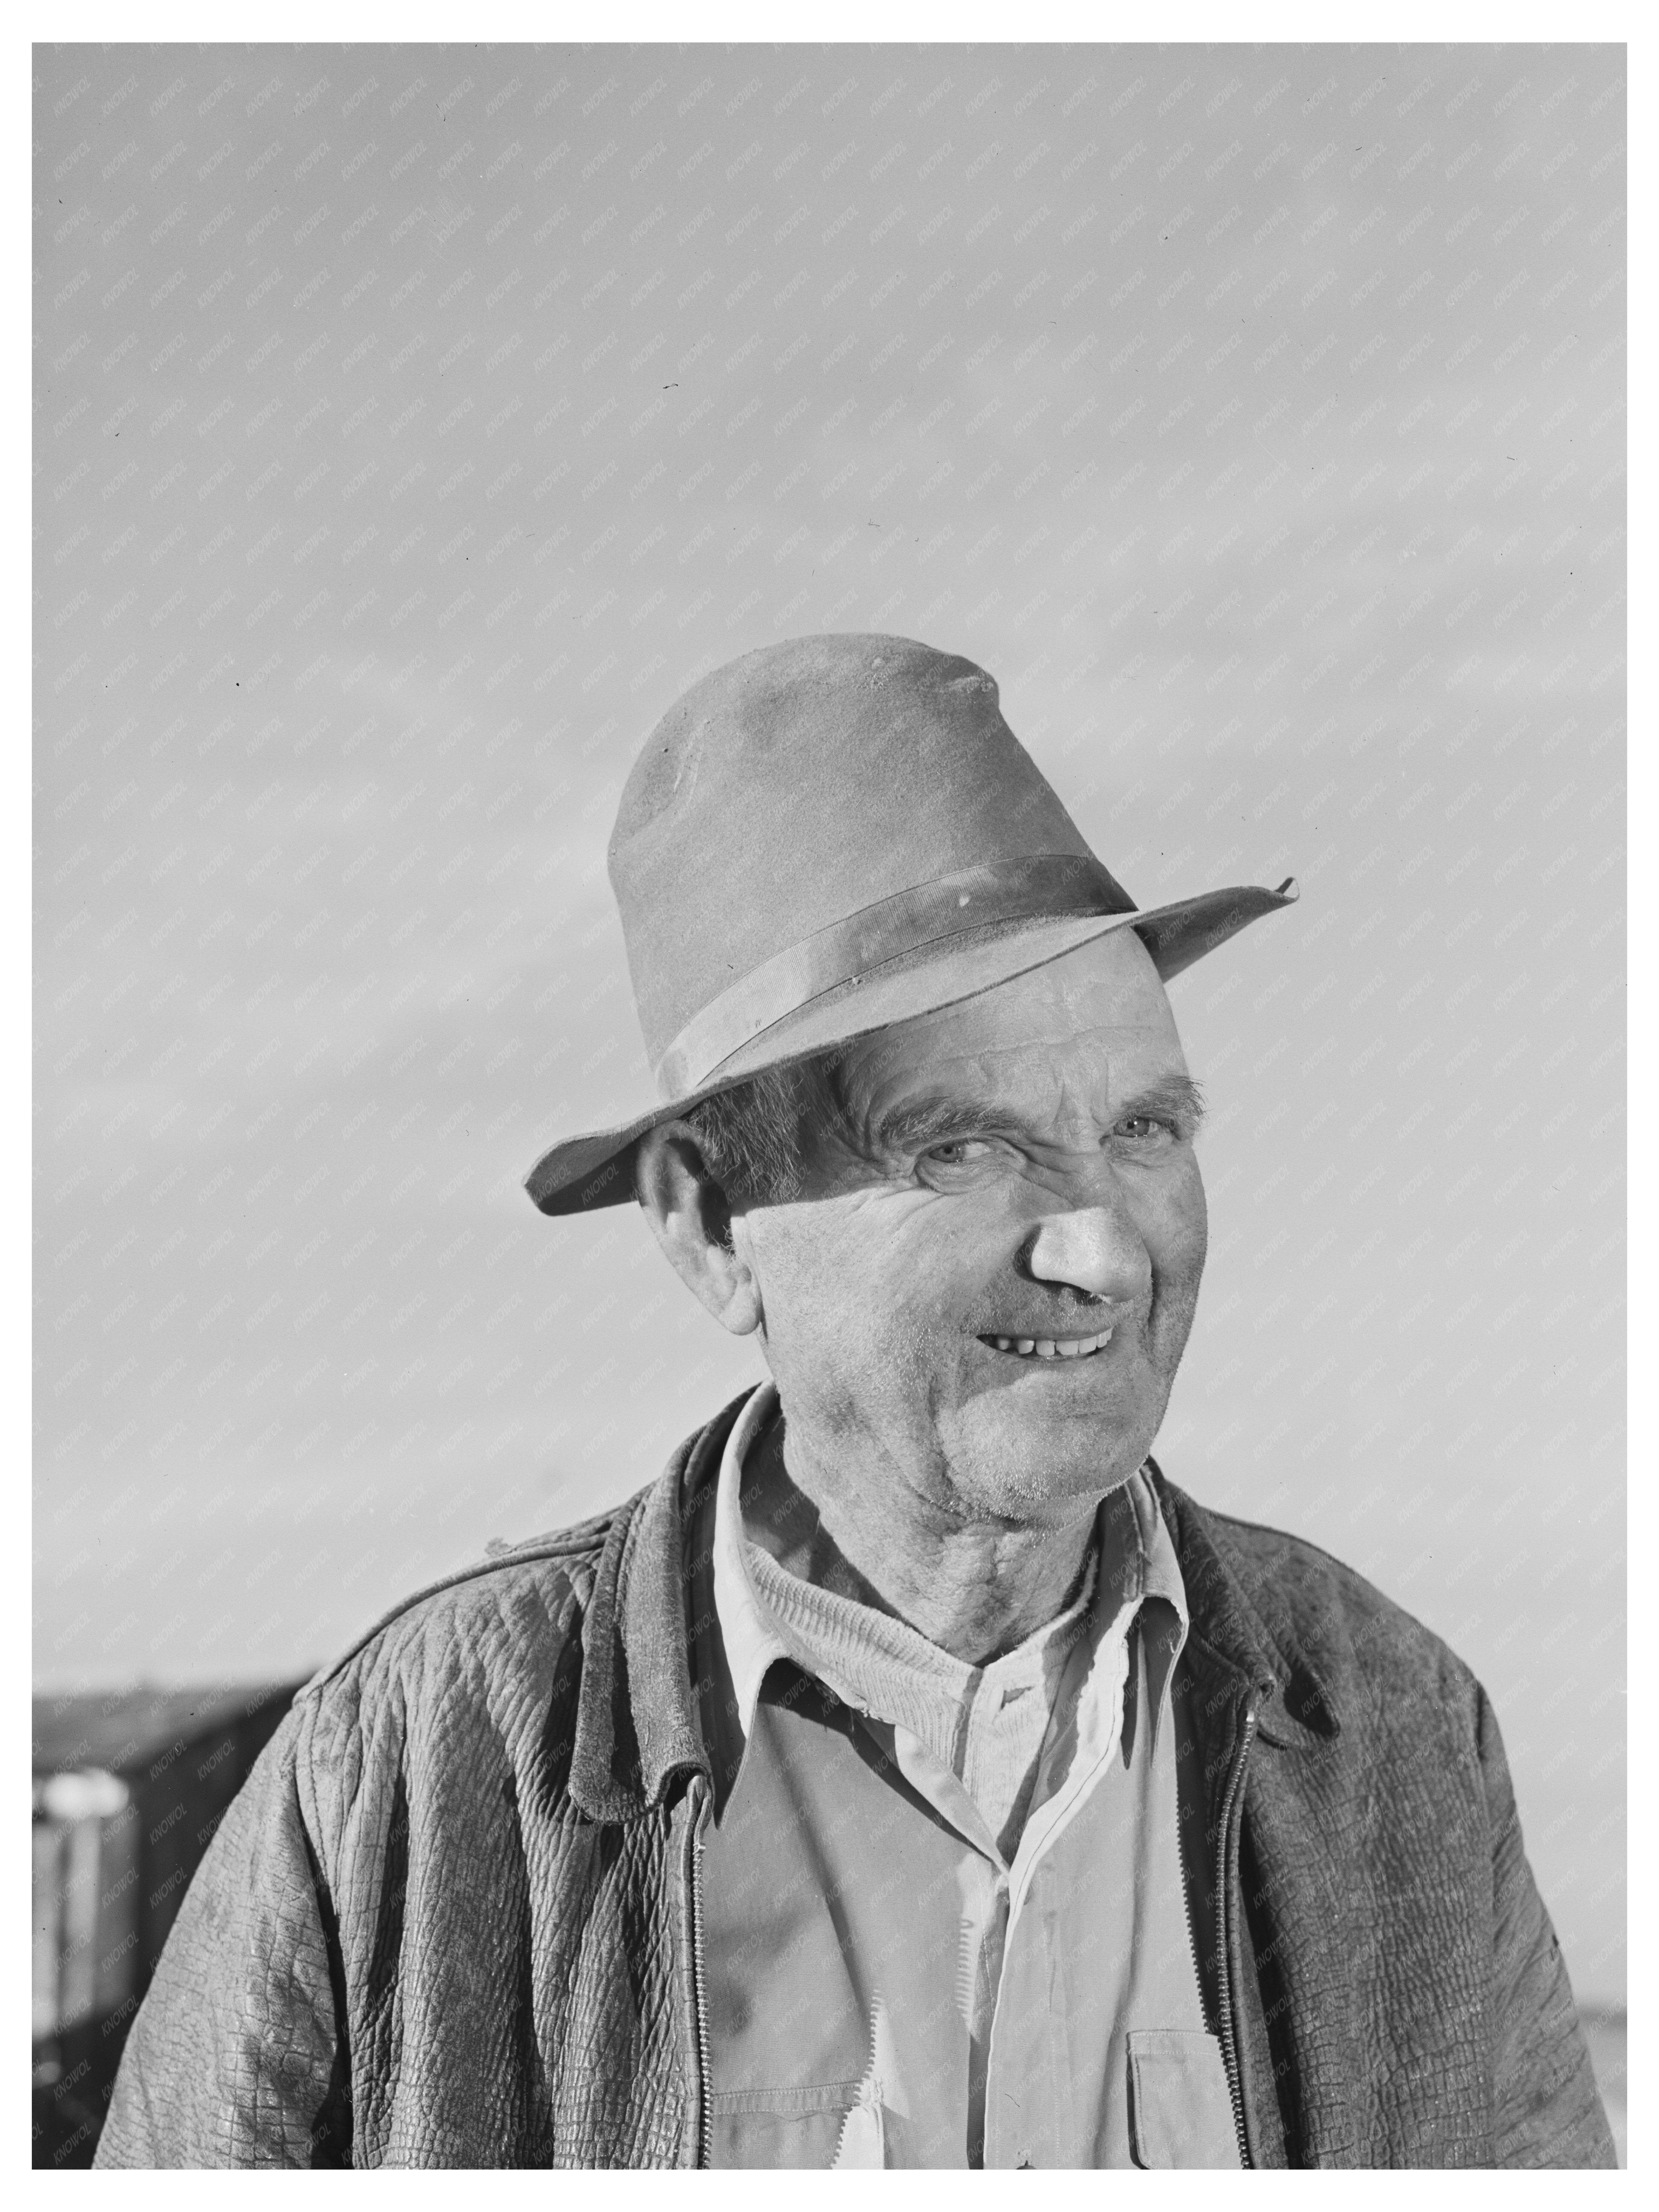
691	1217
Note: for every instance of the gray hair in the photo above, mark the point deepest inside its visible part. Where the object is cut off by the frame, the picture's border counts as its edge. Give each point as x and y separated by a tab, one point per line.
752	1136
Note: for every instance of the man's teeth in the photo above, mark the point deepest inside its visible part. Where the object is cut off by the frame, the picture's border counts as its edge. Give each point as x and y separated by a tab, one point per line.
1048	1347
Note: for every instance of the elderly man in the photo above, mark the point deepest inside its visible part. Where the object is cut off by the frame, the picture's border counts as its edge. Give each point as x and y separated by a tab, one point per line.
911	1776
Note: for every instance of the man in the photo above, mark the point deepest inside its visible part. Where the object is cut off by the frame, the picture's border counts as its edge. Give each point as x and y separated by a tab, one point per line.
912	1775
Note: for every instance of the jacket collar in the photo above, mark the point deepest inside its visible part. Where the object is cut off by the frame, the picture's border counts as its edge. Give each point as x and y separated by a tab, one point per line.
1244	1627
636	1723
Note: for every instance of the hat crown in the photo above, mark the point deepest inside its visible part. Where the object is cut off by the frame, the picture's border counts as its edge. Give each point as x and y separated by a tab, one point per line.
797	787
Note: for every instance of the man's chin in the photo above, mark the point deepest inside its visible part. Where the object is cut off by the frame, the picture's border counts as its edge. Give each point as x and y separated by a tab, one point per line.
1035	1469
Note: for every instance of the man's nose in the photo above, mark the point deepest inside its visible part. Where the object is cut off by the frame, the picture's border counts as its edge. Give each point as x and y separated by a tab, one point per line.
1095	1249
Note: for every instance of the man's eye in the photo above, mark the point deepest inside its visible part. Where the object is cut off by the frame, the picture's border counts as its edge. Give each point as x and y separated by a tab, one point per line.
961	1152
1144	1128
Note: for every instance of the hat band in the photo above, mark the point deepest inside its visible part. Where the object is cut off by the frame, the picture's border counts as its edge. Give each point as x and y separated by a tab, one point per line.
1029	887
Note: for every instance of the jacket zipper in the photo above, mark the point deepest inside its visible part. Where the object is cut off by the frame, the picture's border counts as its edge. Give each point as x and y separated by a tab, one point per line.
699	1996
1230	1805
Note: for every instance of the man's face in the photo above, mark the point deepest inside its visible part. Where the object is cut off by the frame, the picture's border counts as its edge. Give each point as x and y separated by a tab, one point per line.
1021	1174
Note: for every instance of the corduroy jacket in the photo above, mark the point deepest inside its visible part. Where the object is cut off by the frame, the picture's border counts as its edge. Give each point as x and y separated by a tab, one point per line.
452	1919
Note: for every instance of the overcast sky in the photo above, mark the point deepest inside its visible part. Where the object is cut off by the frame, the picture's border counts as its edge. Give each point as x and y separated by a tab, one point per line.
411	426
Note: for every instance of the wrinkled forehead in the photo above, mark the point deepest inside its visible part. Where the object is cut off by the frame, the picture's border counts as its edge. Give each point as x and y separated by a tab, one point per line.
1098	1018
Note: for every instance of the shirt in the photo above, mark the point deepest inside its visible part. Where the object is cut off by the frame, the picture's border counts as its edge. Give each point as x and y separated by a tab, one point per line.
896	1975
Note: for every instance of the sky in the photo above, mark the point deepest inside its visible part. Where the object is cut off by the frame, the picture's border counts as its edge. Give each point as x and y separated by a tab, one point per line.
411	426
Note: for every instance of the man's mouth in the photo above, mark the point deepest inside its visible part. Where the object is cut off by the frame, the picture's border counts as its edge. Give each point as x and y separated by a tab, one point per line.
1050	1347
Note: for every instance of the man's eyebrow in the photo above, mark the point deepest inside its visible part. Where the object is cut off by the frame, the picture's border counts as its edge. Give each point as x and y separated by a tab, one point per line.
1175	1098
917	1124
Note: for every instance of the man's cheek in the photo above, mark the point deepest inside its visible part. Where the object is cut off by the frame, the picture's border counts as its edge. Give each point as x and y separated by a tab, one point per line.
1181	1230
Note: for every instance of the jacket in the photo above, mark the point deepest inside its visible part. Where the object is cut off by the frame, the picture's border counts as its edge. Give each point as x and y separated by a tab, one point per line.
452	1919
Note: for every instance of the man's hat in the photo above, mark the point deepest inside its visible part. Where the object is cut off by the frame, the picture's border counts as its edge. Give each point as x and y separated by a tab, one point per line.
827	836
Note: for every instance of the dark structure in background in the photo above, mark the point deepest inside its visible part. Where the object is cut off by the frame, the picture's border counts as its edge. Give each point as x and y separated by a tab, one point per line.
128	1791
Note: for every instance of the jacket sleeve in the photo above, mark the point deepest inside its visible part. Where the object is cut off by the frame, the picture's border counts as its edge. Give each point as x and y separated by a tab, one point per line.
1546	2109
235	2058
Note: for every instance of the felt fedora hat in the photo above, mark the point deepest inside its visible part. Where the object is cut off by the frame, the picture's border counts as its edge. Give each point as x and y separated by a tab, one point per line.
827	836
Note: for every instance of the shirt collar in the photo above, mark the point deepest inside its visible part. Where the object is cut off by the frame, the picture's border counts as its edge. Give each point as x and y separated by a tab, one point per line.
750	1631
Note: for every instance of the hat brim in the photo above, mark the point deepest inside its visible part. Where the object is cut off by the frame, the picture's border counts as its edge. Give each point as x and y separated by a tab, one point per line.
597	1168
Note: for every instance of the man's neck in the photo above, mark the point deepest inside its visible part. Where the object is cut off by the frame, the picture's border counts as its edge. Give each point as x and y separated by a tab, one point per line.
976	1589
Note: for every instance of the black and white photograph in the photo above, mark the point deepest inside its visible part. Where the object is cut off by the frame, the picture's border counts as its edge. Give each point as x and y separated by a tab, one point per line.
829	984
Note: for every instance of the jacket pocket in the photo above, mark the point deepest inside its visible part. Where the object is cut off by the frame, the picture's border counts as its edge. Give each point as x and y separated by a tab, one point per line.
1181	2114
